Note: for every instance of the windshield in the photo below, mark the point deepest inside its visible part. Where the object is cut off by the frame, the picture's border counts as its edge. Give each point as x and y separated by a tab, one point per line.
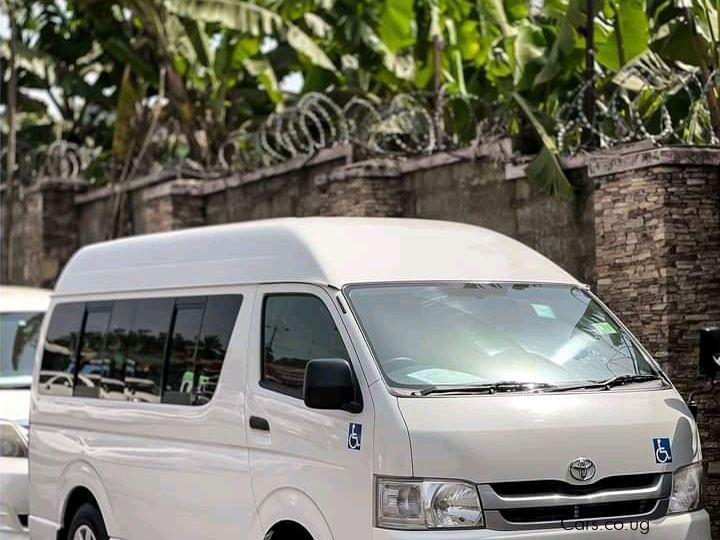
18	341
467	334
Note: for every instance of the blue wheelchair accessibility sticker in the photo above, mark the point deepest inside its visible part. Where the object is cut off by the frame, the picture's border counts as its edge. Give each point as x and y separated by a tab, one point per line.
354	436
663	450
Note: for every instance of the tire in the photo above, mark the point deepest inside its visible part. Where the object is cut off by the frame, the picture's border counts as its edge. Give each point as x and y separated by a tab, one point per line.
87	524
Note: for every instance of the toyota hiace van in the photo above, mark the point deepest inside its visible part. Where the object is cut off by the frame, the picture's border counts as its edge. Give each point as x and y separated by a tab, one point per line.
349	379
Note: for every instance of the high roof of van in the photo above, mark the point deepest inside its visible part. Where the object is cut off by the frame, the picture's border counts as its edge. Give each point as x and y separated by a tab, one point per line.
23	299
325	250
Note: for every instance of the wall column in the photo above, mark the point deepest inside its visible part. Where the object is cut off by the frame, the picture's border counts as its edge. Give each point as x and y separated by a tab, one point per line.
657	223
44	231
369	189
178	204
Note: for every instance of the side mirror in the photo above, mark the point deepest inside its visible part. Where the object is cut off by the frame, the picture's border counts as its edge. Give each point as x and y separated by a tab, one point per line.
330	384
709	365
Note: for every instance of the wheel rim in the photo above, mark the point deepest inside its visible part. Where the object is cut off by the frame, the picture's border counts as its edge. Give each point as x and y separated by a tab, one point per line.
83	532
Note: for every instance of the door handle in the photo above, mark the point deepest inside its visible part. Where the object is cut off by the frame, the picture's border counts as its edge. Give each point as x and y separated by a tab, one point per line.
259	423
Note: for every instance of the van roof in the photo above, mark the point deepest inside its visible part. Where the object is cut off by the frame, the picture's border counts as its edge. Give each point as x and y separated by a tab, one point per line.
327	250
23	299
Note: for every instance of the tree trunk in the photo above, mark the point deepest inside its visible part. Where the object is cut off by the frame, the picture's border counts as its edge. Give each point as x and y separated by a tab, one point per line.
588	137
189	123
438	46
11	152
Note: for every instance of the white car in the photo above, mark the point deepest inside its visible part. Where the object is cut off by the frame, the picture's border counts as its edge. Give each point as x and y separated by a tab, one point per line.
64	384
14	508
21	313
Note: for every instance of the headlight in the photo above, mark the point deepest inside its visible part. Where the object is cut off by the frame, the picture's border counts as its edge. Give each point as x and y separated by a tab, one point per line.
427	504
12	441
687	488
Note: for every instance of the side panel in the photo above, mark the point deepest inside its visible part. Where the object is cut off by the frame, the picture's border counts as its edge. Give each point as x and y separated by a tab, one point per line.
166	471
391	446
304	467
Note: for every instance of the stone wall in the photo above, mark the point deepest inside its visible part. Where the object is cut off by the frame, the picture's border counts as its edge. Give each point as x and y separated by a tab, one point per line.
484	192
44	232
657	223
464	186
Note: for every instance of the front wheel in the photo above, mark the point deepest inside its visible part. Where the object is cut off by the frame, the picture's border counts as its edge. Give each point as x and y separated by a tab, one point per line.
87	524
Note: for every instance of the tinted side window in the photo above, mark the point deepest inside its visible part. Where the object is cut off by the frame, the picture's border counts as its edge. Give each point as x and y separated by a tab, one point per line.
180	373
58	363
116	348
296	329
93	364
146	352
218	323
201	333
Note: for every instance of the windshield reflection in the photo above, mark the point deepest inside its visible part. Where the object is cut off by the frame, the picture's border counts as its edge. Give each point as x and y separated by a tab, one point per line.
483	333
18	343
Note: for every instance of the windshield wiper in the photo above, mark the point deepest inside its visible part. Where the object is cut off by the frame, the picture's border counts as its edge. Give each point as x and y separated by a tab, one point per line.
490	388
607	384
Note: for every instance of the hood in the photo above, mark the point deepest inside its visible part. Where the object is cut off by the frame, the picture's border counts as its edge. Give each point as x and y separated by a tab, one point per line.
503	437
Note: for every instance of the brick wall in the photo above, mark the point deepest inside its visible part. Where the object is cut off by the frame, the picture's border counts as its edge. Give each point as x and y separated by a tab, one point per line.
173	205
630	237
461	186
290	189
483	193
364	190
44	232
657	223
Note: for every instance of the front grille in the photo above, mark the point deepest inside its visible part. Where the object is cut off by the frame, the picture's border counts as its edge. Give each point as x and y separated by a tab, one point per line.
545	504
582	512
536	488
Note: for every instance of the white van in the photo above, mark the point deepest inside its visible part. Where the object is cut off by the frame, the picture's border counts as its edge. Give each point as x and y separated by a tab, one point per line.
21	313
347	379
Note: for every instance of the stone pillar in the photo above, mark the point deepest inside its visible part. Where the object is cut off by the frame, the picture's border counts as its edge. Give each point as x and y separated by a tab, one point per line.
657	223
366	189
44	232
169	206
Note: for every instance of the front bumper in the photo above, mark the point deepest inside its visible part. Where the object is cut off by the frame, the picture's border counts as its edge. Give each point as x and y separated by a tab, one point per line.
10	526
692	526
13	497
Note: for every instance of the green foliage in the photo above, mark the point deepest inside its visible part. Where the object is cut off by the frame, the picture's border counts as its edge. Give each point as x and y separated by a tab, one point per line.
212	66
545	169
629	36
396	26
254	20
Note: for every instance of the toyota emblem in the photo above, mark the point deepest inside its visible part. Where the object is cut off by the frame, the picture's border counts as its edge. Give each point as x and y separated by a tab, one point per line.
582	469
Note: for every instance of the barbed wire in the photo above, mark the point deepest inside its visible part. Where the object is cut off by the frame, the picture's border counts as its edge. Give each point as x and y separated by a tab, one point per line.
60	159
406	125
635	105
638	108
